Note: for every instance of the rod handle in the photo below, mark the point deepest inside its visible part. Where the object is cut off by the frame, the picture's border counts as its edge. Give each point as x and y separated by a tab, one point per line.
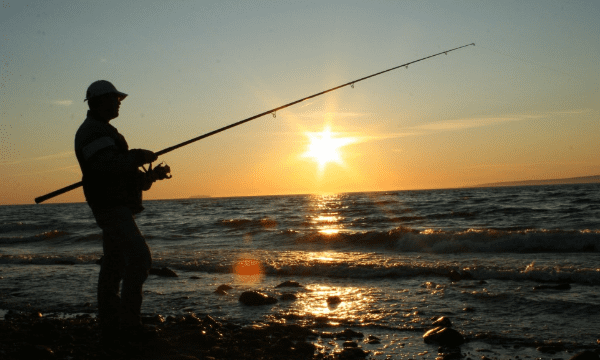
57	192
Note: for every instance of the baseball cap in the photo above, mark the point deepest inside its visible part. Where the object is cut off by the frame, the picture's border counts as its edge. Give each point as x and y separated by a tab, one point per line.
102	87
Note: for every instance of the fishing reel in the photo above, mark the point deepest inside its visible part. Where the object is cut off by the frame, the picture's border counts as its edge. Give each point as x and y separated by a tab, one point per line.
160	172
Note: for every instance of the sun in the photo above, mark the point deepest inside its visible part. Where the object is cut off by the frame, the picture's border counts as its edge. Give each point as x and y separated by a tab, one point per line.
324	148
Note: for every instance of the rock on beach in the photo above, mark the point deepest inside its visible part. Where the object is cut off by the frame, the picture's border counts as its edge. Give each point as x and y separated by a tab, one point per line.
165	272
255	298
222	289
553	287
444	336
333	300
289	283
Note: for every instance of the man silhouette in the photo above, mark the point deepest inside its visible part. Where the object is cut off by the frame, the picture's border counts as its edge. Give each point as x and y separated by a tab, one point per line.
113	184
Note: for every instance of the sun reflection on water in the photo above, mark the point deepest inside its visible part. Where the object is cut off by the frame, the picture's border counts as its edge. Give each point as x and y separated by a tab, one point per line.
326	219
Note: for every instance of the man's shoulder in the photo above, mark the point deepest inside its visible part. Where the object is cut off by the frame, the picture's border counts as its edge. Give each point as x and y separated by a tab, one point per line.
91	130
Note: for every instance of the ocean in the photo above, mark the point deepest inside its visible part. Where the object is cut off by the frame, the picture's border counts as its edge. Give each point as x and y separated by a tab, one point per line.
386	255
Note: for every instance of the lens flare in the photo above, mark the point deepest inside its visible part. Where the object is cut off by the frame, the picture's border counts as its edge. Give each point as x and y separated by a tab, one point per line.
248	270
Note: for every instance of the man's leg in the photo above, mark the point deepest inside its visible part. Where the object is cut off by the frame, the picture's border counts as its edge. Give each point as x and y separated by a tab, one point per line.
109	280
137	266
129	259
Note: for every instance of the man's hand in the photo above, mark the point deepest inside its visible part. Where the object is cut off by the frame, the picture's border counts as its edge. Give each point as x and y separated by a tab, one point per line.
142	156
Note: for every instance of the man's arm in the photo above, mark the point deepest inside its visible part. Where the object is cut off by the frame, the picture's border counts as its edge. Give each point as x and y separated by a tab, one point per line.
102	156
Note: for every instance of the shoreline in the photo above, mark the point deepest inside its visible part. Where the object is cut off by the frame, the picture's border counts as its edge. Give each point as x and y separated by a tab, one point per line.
191	337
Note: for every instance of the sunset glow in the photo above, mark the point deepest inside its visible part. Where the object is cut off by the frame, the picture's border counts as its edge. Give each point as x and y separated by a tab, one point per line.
500	111
325	148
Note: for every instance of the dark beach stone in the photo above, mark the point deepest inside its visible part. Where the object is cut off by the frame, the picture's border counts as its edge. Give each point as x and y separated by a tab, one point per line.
349	343
458	276
586	355
224	287
45	331
305	348
372	339
454	275
99	261
482	282
38	352
154	319
442	322
327	335
64	262
352	353
289	283
443	336
553	287
349	334
465	275
254	298
285	343
469	309
288	296
321	319
210	321
195	277
165	272
191	319
333	300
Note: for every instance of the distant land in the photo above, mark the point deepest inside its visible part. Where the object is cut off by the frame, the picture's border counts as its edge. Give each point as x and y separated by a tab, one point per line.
576	180
199	196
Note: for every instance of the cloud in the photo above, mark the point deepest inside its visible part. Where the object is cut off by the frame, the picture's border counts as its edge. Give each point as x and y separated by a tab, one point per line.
329	114
45	157
62	102
459	124
465	123
469	123
45	171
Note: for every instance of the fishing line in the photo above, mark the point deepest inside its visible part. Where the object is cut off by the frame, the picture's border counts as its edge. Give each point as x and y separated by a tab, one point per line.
273	112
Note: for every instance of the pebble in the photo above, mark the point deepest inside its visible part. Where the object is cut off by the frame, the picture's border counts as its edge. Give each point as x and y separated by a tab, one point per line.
288	296
64	262
586	355
444	336
222	289
255	298
289	283
349	333
371	339
443	322
333	300
352	353
165	272
553	287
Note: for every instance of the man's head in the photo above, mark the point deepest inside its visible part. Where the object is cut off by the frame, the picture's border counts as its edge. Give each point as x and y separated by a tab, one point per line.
104	99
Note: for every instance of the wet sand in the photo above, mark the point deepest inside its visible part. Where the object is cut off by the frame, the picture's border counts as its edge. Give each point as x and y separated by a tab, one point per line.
35	336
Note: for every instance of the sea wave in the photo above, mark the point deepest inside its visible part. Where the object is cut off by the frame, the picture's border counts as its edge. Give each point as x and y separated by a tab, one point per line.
343	269
406	239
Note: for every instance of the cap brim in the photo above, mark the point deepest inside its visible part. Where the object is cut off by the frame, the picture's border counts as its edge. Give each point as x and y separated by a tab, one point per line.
121	95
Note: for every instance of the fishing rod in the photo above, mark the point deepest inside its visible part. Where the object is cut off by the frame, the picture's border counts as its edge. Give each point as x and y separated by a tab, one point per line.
272	111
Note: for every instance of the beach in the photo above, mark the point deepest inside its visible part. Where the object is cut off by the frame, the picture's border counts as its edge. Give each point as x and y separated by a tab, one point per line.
515	270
